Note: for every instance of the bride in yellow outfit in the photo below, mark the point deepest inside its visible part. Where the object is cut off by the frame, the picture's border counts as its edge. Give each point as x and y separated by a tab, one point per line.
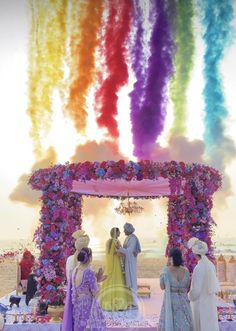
114	295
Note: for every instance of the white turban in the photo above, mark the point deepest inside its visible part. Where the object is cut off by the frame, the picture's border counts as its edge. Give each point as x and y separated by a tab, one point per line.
129	228
78	233
198	247
81	239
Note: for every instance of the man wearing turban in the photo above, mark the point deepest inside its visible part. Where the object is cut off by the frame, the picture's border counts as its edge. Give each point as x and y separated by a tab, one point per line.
81	240
204	287
131	248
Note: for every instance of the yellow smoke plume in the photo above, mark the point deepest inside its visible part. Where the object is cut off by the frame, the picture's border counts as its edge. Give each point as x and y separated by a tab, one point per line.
47	49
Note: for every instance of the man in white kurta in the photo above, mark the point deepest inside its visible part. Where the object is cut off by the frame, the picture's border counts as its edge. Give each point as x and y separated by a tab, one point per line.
131	248
81	240
204	287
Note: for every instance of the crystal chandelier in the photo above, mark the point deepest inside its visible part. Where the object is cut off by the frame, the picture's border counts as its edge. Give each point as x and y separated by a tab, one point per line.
128	208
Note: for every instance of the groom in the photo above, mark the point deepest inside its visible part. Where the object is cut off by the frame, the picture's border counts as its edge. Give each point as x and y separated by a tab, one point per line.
130	250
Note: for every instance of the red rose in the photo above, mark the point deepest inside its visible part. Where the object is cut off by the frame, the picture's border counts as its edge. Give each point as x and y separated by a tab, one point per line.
194	220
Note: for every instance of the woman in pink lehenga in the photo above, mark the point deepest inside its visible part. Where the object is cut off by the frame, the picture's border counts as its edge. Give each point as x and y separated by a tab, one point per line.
82	310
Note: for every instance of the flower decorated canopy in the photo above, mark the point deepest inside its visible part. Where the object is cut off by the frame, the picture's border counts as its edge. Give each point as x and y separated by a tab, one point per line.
189	188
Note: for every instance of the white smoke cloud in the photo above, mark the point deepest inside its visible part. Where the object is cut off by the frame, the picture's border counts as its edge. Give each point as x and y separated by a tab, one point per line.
23	192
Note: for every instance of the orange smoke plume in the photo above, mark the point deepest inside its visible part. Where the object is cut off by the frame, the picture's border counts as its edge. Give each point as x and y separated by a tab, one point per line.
86	21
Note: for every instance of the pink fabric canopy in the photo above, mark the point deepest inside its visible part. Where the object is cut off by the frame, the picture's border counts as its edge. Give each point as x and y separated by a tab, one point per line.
122	188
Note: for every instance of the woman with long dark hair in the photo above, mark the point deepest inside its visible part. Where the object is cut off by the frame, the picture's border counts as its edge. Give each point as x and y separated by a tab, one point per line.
175	280
82	310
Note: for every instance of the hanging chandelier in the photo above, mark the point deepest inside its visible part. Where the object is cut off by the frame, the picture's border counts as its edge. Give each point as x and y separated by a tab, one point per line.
128	208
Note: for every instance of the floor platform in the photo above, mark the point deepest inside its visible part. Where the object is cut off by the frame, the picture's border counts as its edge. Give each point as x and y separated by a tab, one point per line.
145	318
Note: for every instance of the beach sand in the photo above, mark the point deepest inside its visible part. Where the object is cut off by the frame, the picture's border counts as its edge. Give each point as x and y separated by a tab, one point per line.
147	268
8	276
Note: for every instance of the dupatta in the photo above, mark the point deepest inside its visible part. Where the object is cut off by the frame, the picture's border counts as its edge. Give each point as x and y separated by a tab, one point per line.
169	326
67	324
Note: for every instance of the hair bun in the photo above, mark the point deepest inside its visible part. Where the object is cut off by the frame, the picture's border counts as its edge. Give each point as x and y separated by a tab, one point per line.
84	255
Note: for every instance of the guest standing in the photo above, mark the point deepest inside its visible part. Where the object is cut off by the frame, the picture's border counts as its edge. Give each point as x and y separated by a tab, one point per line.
31	288
176	312
81	240
204	287
114	294
82	310
25	267
131	248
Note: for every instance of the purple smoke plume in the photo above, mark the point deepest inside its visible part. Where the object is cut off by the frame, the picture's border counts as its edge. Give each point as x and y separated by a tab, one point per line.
148	121
137	58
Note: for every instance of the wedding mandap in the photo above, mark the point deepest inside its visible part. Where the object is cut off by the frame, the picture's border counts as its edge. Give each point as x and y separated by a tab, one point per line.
188	187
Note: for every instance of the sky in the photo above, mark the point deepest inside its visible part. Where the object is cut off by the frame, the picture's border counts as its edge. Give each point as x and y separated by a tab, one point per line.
18	220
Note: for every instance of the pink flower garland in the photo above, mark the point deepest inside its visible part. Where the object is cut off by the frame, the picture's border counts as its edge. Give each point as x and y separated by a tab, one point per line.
9	254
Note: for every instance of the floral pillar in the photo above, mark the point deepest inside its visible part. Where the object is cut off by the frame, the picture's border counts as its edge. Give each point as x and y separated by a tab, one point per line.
198	216
189	216
60	217
176	219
